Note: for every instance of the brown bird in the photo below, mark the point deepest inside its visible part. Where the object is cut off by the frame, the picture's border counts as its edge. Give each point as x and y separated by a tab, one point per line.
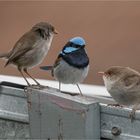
31	48
123	84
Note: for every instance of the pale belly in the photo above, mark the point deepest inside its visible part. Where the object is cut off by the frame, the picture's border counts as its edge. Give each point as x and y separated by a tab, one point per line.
125	97
121	94
69	75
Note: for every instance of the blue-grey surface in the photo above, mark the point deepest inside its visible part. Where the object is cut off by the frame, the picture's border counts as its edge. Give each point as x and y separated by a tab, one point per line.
54	115
119	117
14	122
13	130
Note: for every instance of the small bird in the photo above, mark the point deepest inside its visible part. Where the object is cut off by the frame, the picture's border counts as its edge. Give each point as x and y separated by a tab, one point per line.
72	63
123	84
31	48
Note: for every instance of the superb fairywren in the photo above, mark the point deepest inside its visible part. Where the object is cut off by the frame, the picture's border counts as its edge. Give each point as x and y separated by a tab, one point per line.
123	84
72	64
31	48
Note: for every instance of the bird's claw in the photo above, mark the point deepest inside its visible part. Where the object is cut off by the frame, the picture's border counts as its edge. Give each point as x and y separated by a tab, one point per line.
115	105
26	88
36	86
40	87
132	115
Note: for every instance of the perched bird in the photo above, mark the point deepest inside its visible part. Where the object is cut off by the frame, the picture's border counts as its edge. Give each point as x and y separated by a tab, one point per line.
31	48
123	83
72	64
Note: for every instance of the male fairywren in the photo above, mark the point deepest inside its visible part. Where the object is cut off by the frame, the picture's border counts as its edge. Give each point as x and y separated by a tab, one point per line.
72	63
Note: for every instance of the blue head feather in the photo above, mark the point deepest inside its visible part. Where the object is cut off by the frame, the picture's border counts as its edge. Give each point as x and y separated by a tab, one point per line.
70	49
74	53
78	41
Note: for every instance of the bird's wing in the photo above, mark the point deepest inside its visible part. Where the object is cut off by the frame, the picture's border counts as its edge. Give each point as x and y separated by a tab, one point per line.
23	45
57	61
132	82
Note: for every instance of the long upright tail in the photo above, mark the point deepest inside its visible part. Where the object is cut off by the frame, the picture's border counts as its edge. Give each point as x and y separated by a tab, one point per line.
46	67
4	56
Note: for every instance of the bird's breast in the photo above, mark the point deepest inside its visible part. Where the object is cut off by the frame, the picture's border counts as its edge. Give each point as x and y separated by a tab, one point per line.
68	74
36	55
120	94
78	59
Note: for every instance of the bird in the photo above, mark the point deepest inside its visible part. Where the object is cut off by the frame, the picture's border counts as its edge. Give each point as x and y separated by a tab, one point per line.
31	49
72	63
123	84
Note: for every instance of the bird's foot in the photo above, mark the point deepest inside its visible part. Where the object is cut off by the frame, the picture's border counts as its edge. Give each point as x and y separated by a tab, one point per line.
132	115
29	104
26	88
40	87
58	90
115	105
72	94
34	86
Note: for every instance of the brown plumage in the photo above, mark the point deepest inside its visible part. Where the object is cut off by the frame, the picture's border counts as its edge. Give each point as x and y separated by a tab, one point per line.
123	83
31	48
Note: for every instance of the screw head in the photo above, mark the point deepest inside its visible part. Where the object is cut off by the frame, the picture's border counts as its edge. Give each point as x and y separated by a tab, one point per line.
116	131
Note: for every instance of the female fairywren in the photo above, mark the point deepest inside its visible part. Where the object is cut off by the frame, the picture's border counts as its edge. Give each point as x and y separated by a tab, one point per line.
123	84
31	48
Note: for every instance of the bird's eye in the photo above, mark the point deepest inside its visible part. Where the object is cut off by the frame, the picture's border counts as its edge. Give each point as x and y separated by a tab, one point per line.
77	46
53	29
109	73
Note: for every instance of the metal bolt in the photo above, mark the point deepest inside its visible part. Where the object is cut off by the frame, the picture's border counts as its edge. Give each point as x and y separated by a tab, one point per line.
116	131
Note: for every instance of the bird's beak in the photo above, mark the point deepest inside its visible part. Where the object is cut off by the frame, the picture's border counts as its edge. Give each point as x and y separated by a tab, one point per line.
101	73
55	31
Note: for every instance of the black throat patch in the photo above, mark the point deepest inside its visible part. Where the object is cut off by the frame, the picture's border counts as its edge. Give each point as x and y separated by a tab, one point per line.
78	58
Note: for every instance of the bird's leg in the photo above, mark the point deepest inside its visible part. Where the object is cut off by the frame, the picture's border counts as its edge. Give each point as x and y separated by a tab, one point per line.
24	77
39	86
59	86
79	90
132	113
25	70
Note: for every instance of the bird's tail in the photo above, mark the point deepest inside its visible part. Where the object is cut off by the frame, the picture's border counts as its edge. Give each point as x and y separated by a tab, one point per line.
48	68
